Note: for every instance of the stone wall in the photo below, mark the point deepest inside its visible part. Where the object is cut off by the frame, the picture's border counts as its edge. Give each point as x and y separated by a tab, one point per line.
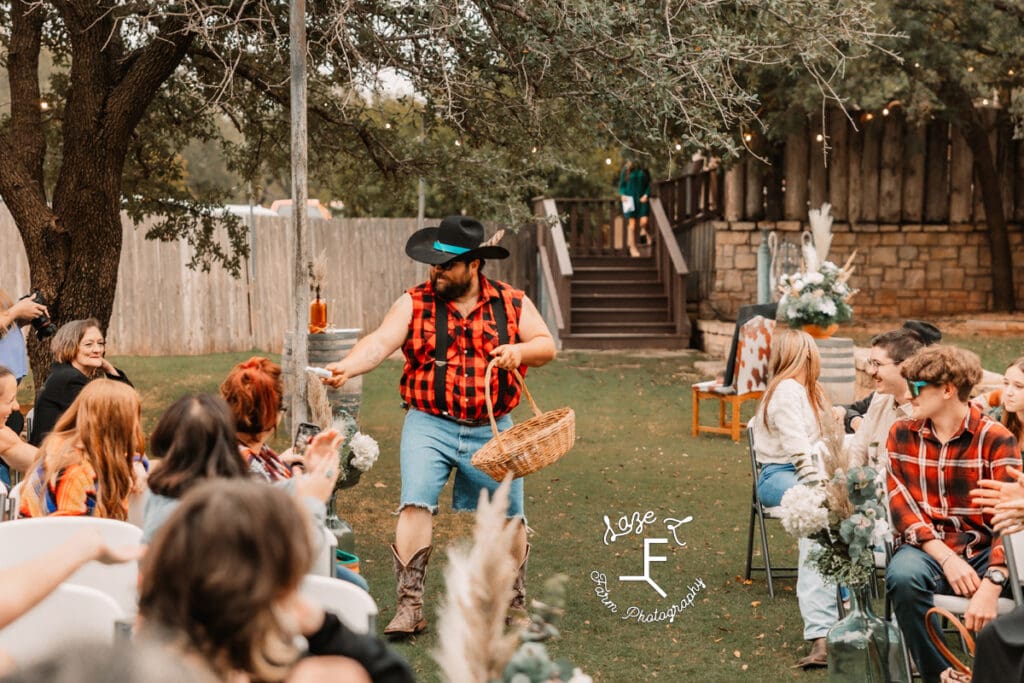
903	271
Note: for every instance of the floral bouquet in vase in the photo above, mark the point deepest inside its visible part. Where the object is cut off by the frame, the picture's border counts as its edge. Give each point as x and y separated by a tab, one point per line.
820	297
358	454
840	504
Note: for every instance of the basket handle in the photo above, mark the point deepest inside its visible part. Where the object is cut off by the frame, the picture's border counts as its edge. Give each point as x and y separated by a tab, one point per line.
490	404
940	642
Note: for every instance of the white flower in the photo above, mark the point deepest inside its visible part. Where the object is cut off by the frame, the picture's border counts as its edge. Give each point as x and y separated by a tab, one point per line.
814	278
827	306
880	533
579	677
364	451
802	510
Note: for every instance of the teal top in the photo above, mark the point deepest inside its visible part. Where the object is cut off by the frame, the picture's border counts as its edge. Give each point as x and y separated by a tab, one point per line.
636	184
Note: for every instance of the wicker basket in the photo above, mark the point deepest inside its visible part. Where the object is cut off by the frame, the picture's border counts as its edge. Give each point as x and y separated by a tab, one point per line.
528	446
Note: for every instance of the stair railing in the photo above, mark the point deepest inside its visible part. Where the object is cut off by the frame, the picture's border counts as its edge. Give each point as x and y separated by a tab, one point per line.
555	269
671	268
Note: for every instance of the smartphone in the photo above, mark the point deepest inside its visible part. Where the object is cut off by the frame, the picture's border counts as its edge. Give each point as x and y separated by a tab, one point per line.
303	435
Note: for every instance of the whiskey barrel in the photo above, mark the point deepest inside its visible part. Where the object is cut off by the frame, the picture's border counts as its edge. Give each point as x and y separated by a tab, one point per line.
323	348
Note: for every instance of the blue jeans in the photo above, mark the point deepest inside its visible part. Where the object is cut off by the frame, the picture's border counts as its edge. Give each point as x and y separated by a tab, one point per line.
773	483
346	574
816	597
912	579
432	447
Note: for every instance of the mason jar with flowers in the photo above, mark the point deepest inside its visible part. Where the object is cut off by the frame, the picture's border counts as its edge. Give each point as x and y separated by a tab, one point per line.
817	301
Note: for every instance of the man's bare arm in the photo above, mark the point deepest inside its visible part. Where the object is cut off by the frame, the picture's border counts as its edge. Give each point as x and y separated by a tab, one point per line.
536	346
374	348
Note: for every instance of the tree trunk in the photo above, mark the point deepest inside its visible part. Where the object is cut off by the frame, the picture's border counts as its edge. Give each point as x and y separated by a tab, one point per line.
1003	295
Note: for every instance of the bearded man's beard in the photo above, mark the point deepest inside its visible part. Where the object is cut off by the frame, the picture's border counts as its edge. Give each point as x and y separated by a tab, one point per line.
450	290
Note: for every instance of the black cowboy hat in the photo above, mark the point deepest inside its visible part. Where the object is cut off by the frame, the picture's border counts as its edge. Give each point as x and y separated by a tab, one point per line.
456	237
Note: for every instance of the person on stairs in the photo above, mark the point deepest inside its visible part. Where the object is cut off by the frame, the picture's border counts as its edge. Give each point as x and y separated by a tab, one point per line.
635	195
443	389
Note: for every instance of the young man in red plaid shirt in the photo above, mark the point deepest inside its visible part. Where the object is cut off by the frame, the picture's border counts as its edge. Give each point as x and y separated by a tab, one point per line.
447	419
935	459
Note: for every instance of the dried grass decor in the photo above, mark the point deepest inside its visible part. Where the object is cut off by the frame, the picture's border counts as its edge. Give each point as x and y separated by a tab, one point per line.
528	446
473	643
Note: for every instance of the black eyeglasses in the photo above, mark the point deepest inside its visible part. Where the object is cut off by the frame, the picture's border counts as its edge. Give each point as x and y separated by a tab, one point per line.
915	386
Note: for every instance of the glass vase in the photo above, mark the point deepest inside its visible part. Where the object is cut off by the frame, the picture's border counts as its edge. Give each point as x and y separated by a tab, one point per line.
863	648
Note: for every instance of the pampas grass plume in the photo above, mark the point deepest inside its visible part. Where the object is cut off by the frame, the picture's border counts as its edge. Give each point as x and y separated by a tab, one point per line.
473	644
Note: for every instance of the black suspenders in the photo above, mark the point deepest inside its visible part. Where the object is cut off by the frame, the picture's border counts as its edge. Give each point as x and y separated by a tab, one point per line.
443	340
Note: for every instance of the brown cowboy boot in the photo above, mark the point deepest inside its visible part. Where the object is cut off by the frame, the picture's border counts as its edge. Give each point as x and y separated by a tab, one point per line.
409	612
518	603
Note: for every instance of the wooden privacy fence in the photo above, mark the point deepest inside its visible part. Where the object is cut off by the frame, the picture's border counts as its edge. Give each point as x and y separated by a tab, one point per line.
887	170
164	308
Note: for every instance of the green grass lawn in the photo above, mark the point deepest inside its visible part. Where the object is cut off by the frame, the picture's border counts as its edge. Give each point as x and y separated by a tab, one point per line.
634	454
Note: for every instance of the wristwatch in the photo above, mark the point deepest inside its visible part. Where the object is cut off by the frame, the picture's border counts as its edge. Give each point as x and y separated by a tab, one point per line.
996	576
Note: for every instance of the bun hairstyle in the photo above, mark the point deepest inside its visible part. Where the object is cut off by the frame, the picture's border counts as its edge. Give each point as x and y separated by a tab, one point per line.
927	333
254	392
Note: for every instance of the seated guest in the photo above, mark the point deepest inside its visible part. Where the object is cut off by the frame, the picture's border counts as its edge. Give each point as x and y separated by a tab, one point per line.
787	424
852	415
13	450
86	466
935	460
78	353
221	582
195	440
13	356
1009	400
891	398
255	394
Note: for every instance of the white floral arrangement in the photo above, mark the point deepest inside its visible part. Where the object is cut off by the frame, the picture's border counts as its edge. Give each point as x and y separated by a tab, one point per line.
819	297
365	451
839	504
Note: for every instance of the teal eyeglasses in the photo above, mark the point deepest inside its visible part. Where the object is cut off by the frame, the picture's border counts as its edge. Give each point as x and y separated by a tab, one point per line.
915	386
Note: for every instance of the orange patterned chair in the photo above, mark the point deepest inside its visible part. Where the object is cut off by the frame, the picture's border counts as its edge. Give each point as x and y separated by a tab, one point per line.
750	373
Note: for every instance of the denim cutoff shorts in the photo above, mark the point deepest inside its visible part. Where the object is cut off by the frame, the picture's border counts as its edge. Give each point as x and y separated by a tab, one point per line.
432	447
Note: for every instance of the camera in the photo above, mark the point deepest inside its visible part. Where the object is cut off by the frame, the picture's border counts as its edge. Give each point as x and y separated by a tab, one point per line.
42	324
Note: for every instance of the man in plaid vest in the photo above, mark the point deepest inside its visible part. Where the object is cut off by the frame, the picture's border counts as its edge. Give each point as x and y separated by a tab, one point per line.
449	328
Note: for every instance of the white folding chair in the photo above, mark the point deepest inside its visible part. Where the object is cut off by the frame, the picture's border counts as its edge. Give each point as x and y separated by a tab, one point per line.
323	563
71	614
760	514
24	539
353	606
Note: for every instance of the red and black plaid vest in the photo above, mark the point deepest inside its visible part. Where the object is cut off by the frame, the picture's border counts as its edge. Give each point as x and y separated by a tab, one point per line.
470	342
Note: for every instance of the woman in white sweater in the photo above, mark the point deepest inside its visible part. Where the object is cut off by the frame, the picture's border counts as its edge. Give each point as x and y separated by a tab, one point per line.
788	423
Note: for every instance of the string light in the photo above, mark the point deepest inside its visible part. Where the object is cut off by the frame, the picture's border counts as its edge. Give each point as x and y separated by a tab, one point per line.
387	126
533	150
869	116
44	105
984	102
885	111
970	69
917	65
747	137
1011	72
458	143
819	137
679	147
607	161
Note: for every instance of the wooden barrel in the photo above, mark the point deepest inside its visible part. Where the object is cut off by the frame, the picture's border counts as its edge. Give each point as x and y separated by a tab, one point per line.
838	369
323	348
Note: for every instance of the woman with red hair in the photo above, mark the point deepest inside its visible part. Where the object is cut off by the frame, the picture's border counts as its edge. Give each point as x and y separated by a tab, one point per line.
86	466
254	392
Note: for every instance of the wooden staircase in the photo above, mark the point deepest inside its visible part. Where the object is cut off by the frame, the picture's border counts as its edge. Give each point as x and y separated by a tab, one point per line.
619	302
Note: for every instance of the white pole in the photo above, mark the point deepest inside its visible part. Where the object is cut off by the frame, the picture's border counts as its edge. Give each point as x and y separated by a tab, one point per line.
299	317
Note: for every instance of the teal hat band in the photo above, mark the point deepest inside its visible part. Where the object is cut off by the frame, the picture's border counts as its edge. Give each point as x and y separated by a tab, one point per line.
449	248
